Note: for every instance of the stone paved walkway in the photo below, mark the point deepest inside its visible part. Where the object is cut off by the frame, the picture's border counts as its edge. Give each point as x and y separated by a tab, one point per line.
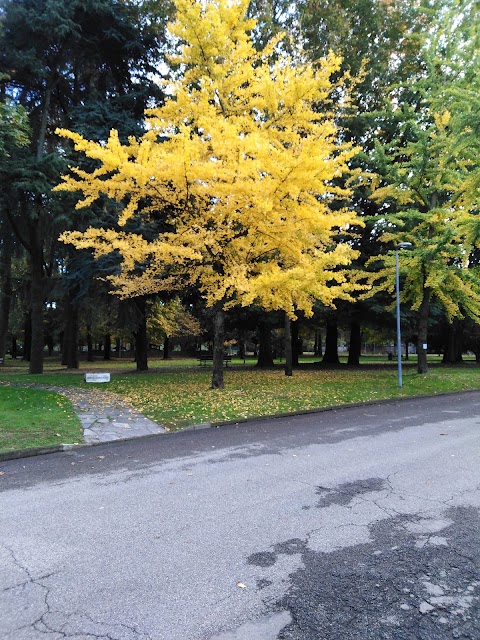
104	416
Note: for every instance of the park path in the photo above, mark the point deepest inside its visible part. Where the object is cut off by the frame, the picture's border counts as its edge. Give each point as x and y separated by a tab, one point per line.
104	416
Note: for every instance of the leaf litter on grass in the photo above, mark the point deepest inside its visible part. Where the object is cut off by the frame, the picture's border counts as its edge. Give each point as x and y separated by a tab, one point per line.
179	398
182	399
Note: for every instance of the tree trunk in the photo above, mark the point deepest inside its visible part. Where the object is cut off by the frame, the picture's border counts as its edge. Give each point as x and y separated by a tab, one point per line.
141	342
70	335
89	344
406	349
27	336
14	347
166	348
107	351
218	340
288	347
50	344
37	296
331	341
317	349
43	124
355	345
6	293
63	348
454	343
241	346
265	355
295	341
423	311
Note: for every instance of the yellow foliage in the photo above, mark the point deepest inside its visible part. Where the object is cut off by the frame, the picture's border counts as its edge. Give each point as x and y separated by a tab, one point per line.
240	163
171	319
442	119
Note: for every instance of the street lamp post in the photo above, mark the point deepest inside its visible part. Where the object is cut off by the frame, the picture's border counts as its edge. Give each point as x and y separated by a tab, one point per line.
400	245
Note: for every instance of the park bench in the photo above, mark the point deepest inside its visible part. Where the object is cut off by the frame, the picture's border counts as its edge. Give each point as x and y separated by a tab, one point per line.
204	358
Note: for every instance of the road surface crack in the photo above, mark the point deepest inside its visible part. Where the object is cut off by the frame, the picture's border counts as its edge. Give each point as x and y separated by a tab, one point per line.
30	580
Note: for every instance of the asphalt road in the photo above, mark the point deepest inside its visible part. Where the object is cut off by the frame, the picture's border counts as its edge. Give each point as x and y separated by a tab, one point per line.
361	524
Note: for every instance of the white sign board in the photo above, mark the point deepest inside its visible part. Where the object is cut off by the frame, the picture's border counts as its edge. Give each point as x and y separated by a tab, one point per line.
425	346
97	377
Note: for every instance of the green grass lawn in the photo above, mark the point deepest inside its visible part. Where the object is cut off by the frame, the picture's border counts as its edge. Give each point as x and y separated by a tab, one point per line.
35	418
52	365
181	397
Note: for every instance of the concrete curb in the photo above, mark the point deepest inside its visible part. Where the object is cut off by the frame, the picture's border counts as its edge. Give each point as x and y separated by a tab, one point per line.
62	448
38	451
27	453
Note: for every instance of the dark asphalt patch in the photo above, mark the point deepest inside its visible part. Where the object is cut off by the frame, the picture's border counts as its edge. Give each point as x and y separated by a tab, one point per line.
262	559
345	493
263	584
290	547
401	586
269	558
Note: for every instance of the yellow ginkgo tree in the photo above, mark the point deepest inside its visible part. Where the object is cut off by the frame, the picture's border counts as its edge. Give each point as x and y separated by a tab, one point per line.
241	165
431	181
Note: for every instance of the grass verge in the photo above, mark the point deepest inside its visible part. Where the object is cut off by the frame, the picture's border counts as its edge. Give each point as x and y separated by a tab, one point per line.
35	418
180	398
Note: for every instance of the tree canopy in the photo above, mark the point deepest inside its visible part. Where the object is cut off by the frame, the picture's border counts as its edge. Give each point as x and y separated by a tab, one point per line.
63	63
240	162
428	184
